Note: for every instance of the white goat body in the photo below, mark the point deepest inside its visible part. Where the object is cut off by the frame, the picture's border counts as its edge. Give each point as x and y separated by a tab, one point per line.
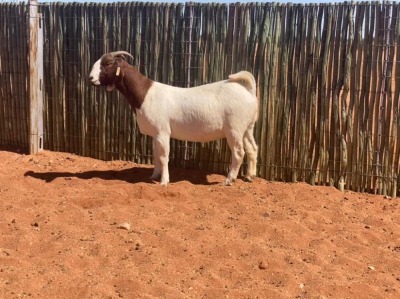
198	114
227	108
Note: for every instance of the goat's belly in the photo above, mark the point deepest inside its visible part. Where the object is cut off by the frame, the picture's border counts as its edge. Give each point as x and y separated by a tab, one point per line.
196	134
196	131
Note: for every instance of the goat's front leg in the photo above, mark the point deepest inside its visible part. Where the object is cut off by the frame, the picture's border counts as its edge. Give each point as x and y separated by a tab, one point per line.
161	143
157	164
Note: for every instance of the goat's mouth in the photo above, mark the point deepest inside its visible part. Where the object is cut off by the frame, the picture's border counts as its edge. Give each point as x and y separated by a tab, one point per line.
95	82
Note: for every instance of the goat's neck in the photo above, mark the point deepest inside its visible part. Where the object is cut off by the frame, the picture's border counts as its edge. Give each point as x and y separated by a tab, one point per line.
134	86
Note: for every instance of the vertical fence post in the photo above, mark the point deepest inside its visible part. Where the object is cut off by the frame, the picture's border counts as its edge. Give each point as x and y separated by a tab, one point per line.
379	172
35	49
186	156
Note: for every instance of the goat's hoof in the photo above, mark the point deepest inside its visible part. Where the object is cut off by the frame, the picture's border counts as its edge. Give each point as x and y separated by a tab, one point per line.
228	182
164	183
155	177
248	179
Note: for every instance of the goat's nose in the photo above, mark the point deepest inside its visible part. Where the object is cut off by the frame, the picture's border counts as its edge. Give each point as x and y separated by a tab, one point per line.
90	77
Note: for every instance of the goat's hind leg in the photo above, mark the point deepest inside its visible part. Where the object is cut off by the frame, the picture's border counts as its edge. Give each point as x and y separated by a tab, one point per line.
251	148
236	146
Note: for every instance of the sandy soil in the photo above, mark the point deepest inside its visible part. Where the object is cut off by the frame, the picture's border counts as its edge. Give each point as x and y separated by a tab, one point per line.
74	227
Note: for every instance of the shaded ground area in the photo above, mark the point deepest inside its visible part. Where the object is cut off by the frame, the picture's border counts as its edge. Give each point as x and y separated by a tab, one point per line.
74	227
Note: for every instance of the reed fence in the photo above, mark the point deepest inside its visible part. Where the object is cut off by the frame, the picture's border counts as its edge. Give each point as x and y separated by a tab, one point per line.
328	82
14	73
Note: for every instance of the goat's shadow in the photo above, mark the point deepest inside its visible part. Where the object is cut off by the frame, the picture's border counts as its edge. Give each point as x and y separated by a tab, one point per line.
131	175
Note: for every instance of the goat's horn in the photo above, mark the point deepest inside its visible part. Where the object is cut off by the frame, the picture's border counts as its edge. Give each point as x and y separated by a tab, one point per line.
120	53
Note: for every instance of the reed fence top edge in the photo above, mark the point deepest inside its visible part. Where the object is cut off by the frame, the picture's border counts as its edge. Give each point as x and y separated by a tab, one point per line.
212	4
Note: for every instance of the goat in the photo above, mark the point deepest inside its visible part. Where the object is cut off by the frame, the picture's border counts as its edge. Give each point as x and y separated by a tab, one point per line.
227	108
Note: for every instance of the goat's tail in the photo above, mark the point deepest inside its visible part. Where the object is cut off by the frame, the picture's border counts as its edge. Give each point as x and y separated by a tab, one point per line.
246	79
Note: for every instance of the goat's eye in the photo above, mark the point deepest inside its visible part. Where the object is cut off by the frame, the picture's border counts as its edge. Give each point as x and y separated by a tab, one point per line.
103	65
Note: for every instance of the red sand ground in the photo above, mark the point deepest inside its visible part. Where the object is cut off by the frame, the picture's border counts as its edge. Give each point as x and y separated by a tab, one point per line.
60	218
